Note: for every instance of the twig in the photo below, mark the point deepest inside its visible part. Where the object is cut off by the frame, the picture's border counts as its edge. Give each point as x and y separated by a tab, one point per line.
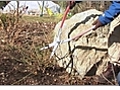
21	79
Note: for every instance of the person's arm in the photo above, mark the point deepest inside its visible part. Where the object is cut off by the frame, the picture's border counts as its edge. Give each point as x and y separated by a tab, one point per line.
111	13
108	15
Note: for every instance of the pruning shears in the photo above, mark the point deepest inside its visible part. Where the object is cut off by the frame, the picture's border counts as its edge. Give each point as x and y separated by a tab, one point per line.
57	41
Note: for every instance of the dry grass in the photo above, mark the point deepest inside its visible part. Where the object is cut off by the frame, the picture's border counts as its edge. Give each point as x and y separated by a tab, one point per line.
22	42
44	18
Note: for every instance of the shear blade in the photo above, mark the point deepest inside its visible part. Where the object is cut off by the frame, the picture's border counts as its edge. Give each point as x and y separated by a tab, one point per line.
46	47
55	47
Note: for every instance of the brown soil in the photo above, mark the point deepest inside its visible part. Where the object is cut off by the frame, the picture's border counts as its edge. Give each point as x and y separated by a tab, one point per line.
20	65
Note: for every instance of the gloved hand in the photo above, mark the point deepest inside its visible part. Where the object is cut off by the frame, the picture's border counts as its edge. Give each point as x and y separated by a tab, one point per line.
97	24
71	3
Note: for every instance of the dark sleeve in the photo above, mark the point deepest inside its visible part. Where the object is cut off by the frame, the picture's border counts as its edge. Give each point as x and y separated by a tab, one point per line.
78	1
